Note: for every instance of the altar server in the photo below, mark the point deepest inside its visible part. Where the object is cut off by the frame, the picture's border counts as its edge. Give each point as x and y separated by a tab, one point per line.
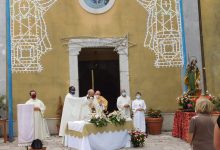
139	108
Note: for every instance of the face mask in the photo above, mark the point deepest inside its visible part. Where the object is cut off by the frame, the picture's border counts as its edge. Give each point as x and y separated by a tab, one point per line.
96	96
33	96
72	92
138	96
123	94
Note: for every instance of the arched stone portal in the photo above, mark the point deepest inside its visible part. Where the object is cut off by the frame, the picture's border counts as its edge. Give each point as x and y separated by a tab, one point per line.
75	45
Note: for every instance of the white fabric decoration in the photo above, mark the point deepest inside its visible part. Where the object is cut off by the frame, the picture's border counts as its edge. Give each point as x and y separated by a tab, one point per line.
25	115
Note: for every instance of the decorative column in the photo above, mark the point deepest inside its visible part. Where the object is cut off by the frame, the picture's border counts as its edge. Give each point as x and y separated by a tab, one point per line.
73	63
124	68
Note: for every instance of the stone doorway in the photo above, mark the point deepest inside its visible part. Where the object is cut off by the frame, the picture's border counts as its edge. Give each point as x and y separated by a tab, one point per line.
119	45
99	70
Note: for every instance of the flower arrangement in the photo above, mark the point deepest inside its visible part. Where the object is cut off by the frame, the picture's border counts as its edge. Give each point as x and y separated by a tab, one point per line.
116	118
216	102
186	102
137	138
99	120
209	96
154	113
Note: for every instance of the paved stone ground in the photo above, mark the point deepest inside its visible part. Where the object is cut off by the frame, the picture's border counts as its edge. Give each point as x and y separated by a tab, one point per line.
154	142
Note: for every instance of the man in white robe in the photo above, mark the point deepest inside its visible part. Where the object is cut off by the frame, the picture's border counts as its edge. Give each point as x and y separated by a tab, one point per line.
74	109
139	108
124	104
40	126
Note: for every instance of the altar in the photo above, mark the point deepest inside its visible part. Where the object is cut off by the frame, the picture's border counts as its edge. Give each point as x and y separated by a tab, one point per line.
86	136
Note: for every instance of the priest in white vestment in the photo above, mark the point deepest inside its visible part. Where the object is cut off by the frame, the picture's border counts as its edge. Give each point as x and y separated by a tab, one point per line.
87	105
139	108
74	109
124	104
40	126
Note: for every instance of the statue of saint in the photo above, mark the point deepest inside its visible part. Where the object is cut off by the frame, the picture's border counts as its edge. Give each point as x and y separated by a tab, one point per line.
192	78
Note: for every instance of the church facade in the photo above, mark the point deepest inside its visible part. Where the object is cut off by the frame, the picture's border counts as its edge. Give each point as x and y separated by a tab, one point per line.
108	45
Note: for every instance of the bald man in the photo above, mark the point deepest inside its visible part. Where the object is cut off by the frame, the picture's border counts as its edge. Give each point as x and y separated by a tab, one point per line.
90	94
86	109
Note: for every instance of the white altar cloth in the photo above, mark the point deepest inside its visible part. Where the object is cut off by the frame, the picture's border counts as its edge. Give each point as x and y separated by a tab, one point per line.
100	141
109	140
25	116
76	125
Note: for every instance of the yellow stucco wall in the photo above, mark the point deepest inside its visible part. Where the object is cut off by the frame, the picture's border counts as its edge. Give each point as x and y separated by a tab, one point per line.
211	38
66	18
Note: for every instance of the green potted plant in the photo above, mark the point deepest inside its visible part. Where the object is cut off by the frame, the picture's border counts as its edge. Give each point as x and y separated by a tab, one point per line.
3	106
154	121
216	102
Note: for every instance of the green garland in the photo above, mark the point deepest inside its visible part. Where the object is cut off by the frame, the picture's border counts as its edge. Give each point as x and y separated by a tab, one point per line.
99	121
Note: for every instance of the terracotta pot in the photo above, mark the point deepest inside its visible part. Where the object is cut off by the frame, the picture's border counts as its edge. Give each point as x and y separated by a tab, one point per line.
154	125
